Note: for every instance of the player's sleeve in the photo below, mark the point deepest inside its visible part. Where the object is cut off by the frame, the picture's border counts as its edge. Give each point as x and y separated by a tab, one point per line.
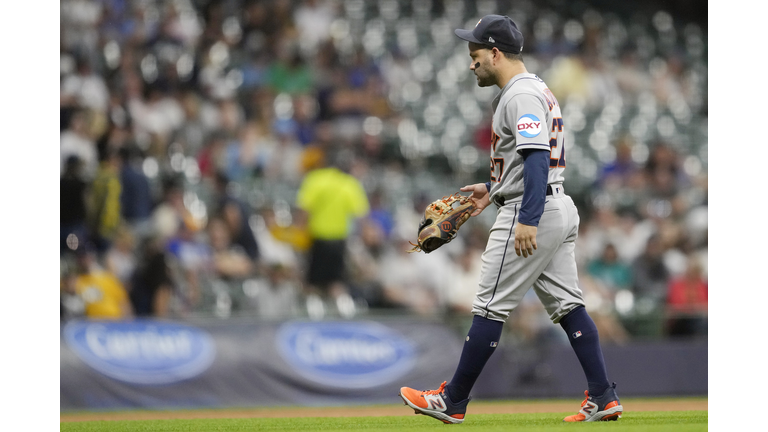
527	117
535	173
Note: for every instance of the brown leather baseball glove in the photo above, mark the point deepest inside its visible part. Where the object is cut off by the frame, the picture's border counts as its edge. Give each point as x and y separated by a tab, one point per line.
442	220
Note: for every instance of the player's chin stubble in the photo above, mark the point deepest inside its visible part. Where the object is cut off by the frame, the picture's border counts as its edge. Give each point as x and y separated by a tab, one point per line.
483	75
483	80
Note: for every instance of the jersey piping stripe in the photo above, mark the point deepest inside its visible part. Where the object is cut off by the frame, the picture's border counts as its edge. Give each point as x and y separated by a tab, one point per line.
501	266
521	146
524	78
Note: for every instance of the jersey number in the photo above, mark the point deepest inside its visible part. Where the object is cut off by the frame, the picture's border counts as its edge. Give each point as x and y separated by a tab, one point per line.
497	162
556	154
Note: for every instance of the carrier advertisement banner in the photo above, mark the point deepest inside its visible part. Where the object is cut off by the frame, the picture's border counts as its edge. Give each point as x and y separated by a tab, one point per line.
142	352
164	364
153	364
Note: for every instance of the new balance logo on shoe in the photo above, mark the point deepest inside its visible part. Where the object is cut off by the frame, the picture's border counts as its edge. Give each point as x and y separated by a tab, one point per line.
588	408
435	403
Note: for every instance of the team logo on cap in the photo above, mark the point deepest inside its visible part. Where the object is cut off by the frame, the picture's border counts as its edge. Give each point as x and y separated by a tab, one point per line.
529	126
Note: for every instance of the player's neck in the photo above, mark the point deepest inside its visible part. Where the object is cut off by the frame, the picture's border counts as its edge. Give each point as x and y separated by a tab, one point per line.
515	68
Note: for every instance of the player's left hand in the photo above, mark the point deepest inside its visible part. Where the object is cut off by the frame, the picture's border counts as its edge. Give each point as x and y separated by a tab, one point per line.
525	239
480	196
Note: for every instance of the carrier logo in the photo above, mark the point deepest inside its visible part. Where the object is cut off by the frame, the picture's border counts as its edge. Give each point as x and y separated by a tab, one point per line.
345	354
529	126
141	351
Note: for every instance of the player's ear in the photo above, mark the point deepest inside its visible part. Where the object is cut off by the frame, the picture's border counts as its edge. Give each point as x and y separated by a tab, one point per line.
496	54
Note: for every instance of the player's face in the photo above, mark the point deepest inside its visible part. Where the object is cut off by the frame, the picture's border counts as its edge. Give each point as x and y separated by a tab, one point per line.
481	65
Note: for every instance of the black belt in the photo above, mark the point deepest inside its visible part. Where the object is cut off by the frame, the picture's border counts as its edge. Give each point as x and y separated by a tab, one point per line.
499	200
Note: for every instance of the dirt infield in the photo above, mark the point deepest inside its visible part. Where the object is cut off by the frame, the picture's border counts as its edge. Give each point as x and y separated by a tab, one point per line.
379	410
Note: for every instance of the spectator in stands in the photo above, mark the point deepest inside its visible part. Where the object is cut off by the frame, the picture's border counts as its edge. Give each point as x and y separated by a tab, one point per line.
663	171
171	212
136	201
365	252
71	305
199	122
276	296
85	88
235	214
294	235
120	259
290	74
212	159
621	172
230	260
313	19
103	294
105	212
73	212
156	113
650	277
403	281
191	261
152	285
649	274
631	77
462	287
305	118
613	273
686	302
380	213
76	141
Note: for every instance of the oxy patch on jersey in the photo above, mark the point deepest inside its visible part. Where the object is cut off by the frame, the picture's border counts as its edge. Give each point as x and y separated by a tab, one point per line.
529	126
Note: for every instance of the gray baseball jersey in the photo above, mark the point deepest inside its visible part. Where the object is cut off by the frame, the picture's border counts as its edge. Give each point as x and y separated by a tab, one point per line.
527	116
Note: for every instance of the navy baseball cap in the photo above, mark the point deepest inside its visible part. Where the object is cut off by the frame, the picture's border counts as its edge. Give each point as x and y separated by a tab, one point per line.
495	31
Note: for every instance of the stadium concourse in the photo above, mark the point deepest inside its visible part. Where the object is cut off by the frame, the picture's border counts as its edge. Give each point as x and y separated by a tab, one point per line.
187	128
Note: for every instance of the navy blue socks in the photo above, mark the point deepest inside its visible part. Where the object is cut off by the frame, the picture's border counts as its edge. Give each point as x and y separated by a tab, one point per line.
481	342
582	334
483	338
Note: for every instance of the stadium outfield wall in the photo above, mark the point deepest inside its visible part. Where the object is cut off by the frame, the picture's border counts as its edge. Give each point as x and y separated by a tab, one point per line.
152	364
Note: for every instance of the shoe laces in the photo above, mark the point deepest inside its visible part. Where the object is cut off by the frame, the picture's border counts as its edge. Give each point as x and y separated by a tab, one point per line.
434	392
586	397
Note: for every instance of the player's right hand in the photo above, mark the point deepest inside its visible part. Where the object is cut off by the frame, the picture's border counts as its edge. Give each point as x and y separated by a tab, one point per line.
480	197
525	239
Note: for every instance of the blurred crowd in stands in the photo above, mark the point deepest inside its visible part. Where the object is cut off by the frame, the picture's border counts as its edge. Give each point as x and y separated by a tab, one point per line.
191	130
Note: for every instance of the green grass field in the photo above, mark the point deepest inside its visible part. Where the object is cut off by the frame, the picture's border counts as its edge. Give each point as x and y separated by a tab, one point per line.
682	421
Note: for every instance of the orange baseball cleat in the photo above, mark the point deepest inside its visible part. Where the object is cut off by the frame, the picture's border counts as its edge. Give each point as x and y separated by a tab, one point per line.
435	403
599	408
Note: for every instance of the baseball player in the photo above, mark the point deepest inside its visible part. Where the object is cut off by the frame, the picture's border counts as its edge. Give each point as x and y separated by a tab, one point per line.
534	217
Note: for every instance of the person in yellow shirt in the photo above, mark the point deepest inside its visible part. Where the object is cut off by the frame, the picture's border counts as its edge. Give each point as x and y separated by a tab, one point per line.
104	201
332	199
103	294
